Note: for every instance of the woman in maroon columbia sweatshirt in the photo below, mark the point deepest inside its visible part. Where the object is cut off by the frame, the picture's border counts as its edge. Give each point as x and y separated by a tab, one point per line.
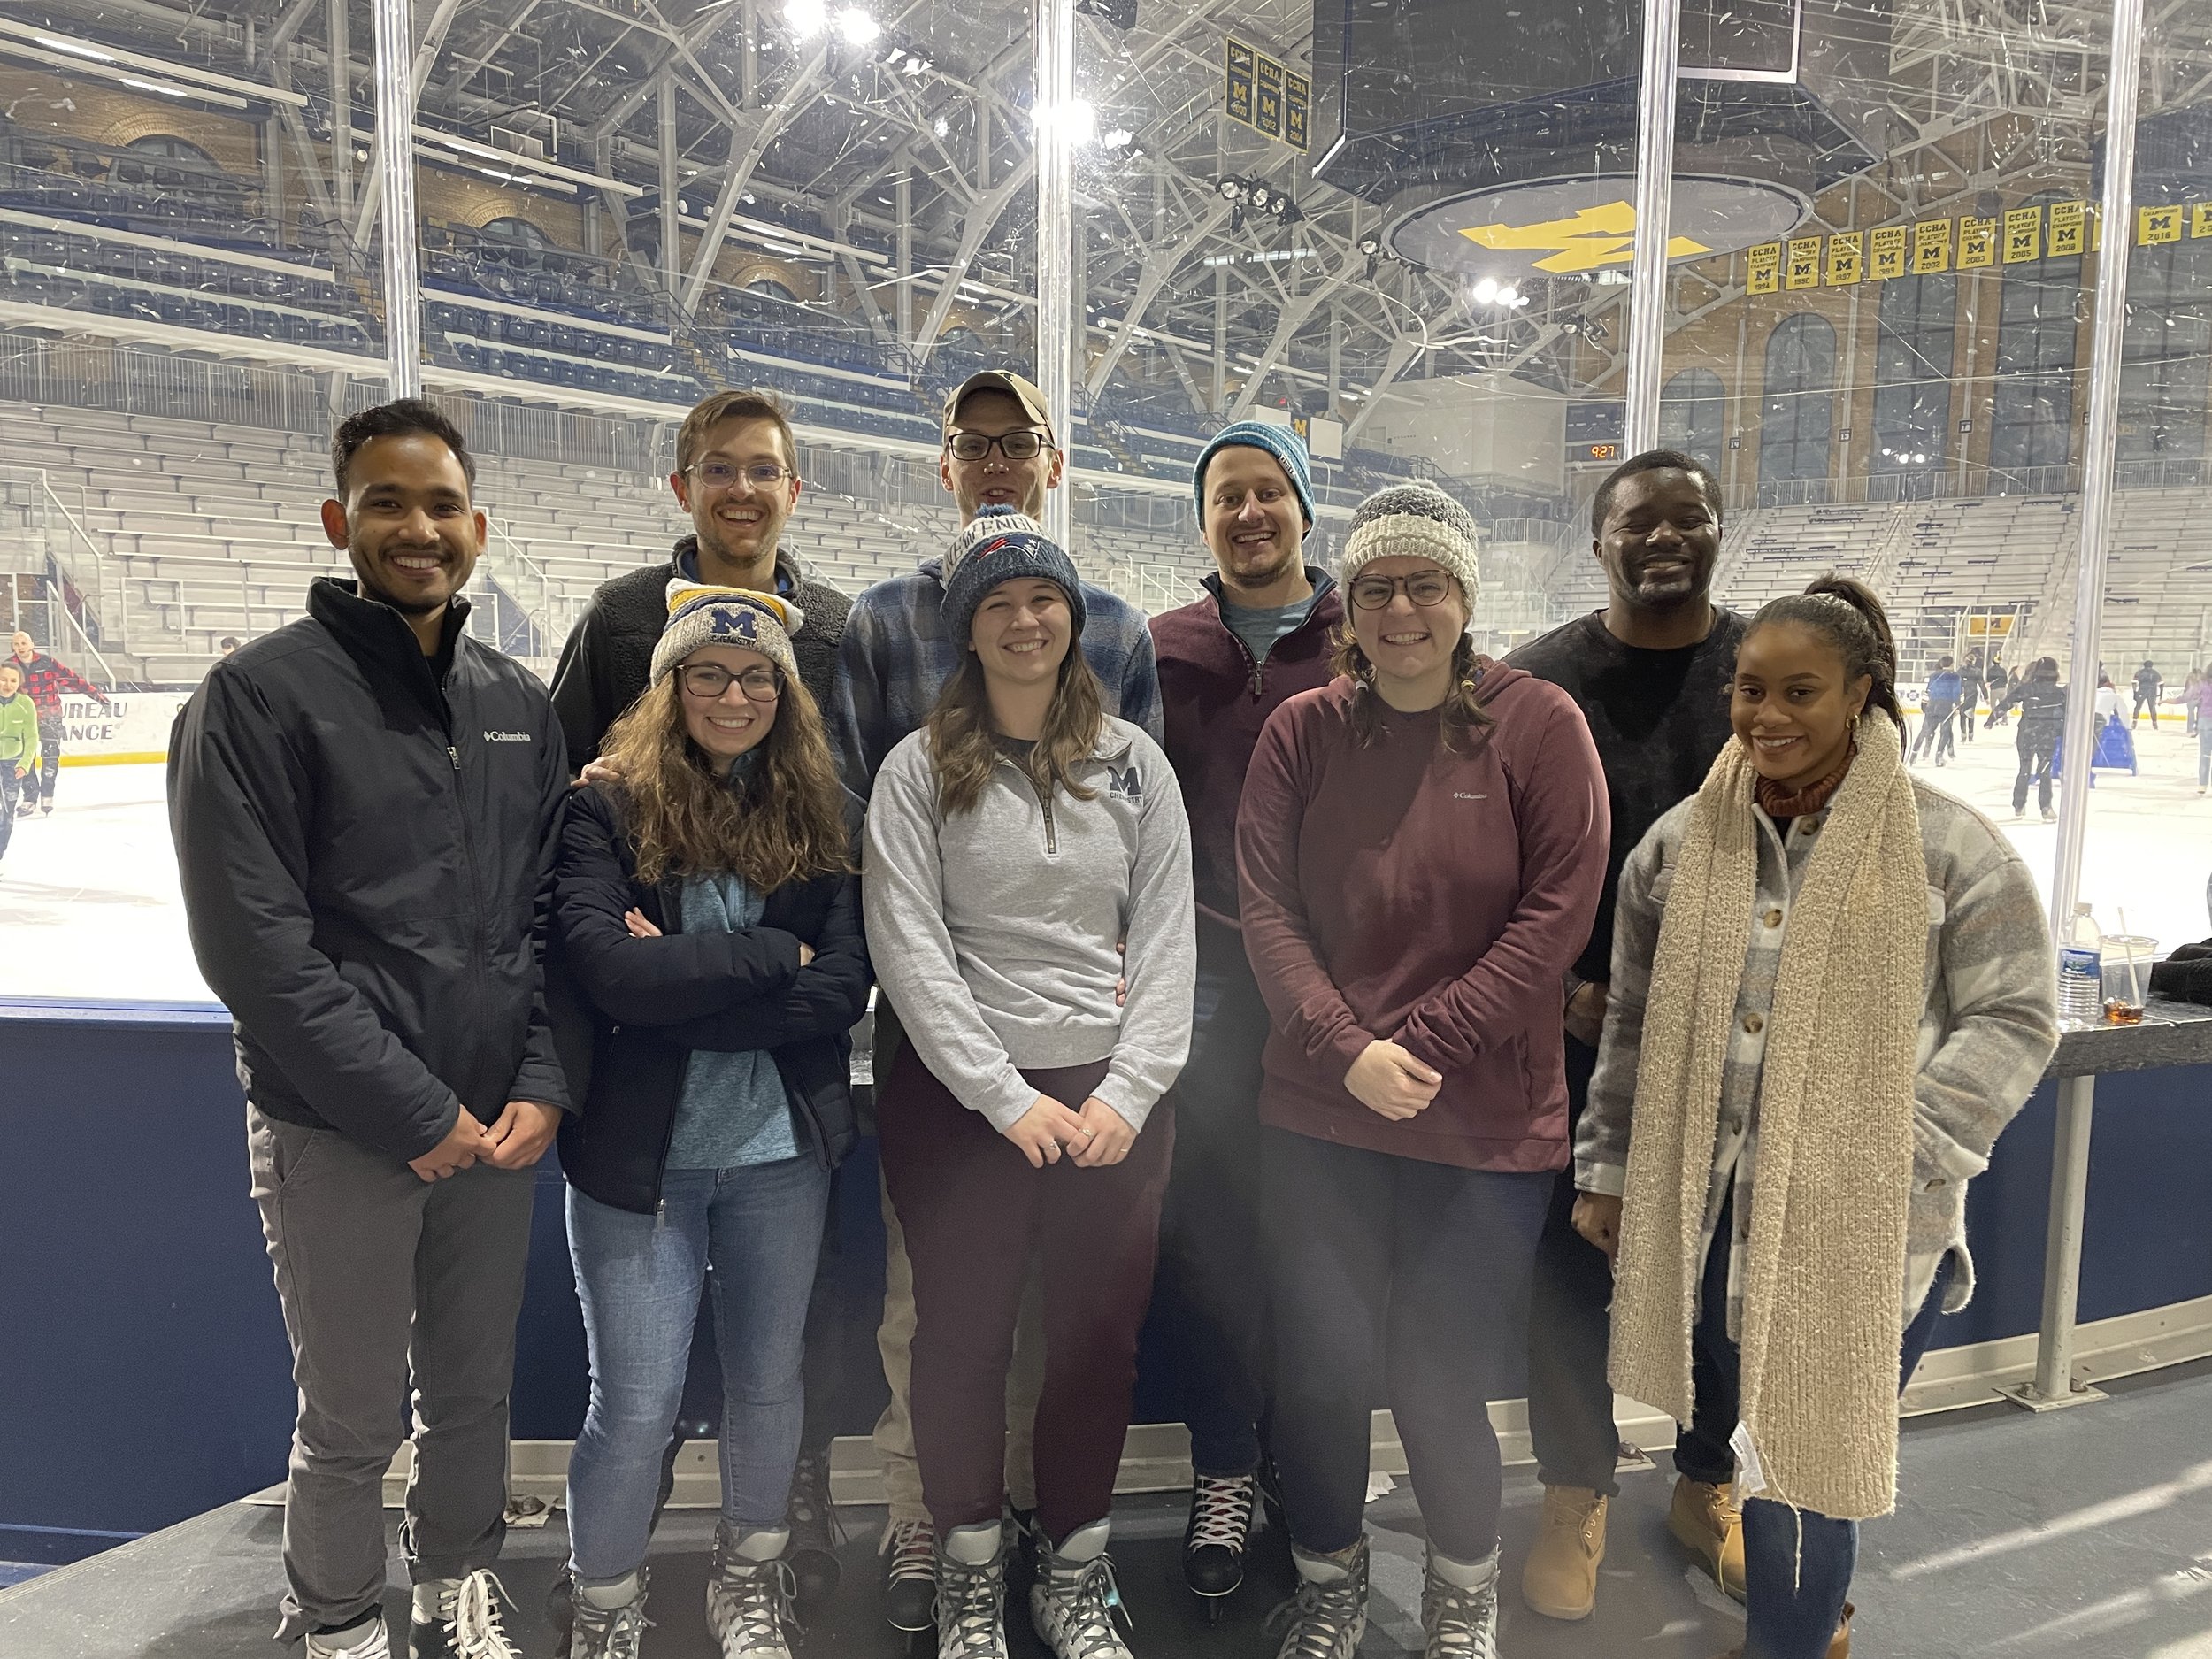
1420	847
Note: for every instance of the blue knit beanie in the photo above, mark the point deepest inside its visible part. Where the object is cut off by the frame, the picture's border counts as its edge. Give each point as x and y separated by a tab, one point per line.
1001	545
1279	442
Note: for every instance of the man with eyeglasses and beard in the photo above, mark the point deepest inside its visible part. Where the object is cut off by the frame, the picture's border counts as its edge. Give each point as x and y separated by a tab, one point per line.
737	475
998	459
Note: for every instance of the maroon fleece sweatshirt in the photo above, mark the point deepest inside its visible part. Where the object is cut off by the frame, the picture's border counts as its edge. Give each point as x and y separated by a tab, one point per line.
1214	701
1398	890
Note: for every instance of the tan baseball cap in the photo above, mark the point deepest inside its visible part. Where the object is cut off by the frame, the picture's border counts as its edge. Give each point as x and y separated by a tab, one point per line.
1023	392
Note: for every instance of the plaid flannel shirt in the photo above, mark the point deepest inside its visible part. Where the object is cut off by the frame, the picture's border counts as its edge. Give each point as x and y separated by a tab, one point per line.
1988	1025
45	680
896	658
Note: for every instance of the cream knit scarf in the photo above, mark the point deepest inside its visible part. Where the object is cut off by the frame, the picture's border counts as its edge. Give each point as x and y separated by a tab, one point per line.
1821	1322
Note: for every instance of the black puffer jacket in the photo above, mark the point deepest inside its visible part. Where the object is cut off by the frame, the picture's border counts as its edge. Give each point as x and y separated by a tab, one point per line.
608	659
365	838
2041	705
638	1006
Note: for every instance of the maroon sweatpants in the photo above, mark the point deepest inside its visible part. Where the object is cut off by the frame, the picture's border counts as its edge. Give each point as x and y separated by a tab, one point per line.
973	1212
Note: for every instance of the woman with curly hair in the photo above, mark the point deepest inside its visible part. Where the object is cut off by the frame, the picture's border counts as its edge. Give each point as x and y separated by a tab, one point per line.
708	911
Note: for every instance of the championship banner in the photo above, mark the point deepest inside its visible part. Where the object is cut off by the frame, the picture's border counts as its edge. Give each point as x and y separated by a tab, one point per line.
1297	110
1932	247
2200	219
2069	228
1804	272
2156	224
1977	243
1845	258
1888	252
1240	70
1267	109
2023	235
1765	268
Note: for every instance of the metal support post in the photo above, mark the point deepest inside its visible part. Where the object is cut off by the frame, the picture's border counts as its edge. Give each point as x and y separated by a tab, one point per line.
1655	181
2053	1384
1056	237
395	164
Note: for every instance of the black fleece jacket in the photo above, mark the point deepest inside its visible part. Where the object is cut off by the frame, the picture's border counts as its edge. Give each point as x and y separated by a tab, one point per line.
365	839
631	1011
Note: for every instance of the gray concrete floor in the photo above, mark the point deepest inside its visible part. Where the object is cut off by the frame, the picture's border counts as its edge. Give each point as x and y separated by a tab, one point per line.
2085	1534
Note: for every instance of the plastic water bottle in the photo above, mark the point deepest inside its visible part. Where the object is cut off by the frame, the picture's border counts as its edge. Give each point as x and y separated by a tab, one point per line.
2081	971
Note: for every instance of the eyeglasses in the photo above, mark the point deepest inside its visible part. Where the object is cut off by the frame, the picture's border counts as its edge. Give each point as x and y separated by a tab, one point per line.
1424	587
709	680
724	475
1022	444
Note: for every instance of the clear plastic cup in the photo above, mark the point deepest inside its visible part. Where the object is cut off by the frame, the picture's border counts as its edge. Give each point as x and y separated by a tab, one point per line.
2127	976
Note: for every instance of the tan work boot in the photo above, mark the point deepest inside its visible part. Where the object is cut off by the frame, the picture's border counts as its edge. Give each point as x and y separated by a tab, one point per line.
1560	1577
1710	1525
1839	1645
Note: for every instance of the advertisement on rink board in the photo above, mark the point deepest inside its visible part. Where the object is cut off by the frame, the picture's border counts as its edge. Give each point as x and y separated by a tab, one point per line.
133	729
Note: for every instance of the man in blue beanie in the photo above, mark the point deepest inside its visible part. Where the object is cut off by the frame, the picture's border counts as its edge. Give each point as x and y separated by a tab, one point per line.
1264	633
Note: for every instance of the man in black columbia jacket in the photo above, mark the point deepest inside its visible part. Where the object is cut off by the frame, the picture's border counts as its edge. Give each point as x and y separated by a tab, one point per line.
365	806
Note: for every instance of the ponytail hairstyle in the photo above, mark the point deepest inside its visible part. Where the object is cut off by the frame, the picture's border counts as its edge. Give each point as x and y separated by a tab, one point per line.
1846	613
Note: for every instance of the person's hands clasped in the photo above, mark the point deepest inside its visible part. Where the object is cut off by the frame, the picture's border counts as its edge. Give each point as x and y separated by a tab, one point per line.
465	1142
1391	1083
1106	1140
1045	1129
522	1134
1597	1218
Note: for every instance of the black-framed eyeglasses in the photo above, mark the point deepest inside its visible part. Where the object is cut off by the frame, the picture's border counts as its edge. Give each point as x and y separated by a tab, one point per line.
725	474
709	680
1021	444
1424	589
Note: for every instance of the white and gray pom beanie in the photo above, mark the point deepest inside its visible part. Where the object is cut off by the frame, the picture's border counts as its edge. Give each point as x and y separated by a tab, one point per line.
1416	520
701	615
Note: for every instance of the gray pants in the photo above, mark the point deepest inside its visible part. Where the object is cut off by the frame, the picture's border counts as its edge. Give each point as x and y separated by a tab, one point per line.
395	1290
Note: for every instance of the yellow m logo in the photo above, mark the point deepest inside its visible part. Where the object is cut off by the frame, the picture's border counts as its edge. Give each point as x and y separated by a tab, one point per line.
1594	236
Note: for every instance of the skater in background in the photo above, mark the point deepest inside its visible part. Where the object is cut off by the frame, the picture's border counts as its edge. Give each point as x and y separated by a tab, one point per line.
2042	700
1999	679
2147	686
18	743
2189	699
1972	682
1936	714
44	682
2200	722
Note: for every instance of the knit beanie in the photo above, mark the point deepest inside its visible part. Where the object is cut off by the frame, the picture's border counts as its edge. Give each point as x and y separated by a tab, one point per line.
1001	546
699	615
1416	520
1279	442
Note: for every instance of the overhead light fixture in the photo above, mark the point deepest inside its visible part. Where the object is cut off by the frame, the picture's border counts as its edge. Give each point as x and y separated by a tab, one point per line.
1231	189
1369	244
807	18
1077	119
75	48
137	85
940	127
1485	291
856	27
1119	138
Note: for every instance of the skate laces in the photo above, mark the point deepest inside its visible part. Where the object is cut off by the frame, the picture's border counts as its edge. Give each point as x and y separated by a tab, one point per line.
810	1506
1462	1623
913	1547
1319	1617
1221	1511
969	1603
474	1619
757	1604
1086	1609
619	1632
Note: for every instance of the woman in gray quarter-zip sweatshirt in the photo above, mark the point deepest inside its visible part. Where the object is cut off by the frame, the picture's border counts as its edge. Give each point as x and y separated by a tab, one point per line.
1016	848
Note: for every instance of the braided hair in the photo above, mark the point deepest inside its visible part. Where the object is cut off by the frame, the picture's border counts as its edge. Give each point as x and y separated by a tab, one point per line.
1847	614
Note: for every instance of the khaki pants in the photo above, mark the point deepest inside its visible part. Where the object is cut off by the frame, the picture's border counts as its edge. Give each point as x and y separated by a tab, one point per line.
894	1339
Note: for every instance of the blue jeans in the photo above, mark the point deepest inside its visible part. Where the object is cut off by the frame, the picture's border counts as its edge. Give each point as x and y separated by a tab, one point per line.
1797	1564
2204	753
757	1230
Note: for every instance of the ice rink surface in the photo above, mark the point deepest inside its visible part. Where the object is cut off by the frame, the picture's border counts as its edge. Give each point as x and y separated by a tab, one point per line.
89	906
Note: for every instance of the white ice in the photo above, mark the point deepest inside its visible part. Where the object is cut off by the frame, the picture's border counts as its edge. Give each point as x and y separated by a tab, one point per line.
89	908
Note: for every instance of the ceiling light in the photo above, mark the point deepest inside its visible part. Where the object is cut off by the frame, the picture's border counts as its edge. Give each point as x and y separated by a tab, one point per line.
133	82
1077	120
940	127
1231	189
807	18
73	49
1119	138
1485	291
857	29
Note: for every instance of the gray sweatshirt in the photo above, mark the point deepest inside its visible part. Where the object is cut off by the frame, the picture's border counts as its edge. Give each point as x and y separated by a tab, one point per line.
993	933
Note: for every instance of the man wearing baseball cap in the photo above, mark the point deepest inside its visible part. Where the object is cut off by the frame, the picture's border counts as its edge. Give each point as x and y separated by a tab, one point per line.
999	452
